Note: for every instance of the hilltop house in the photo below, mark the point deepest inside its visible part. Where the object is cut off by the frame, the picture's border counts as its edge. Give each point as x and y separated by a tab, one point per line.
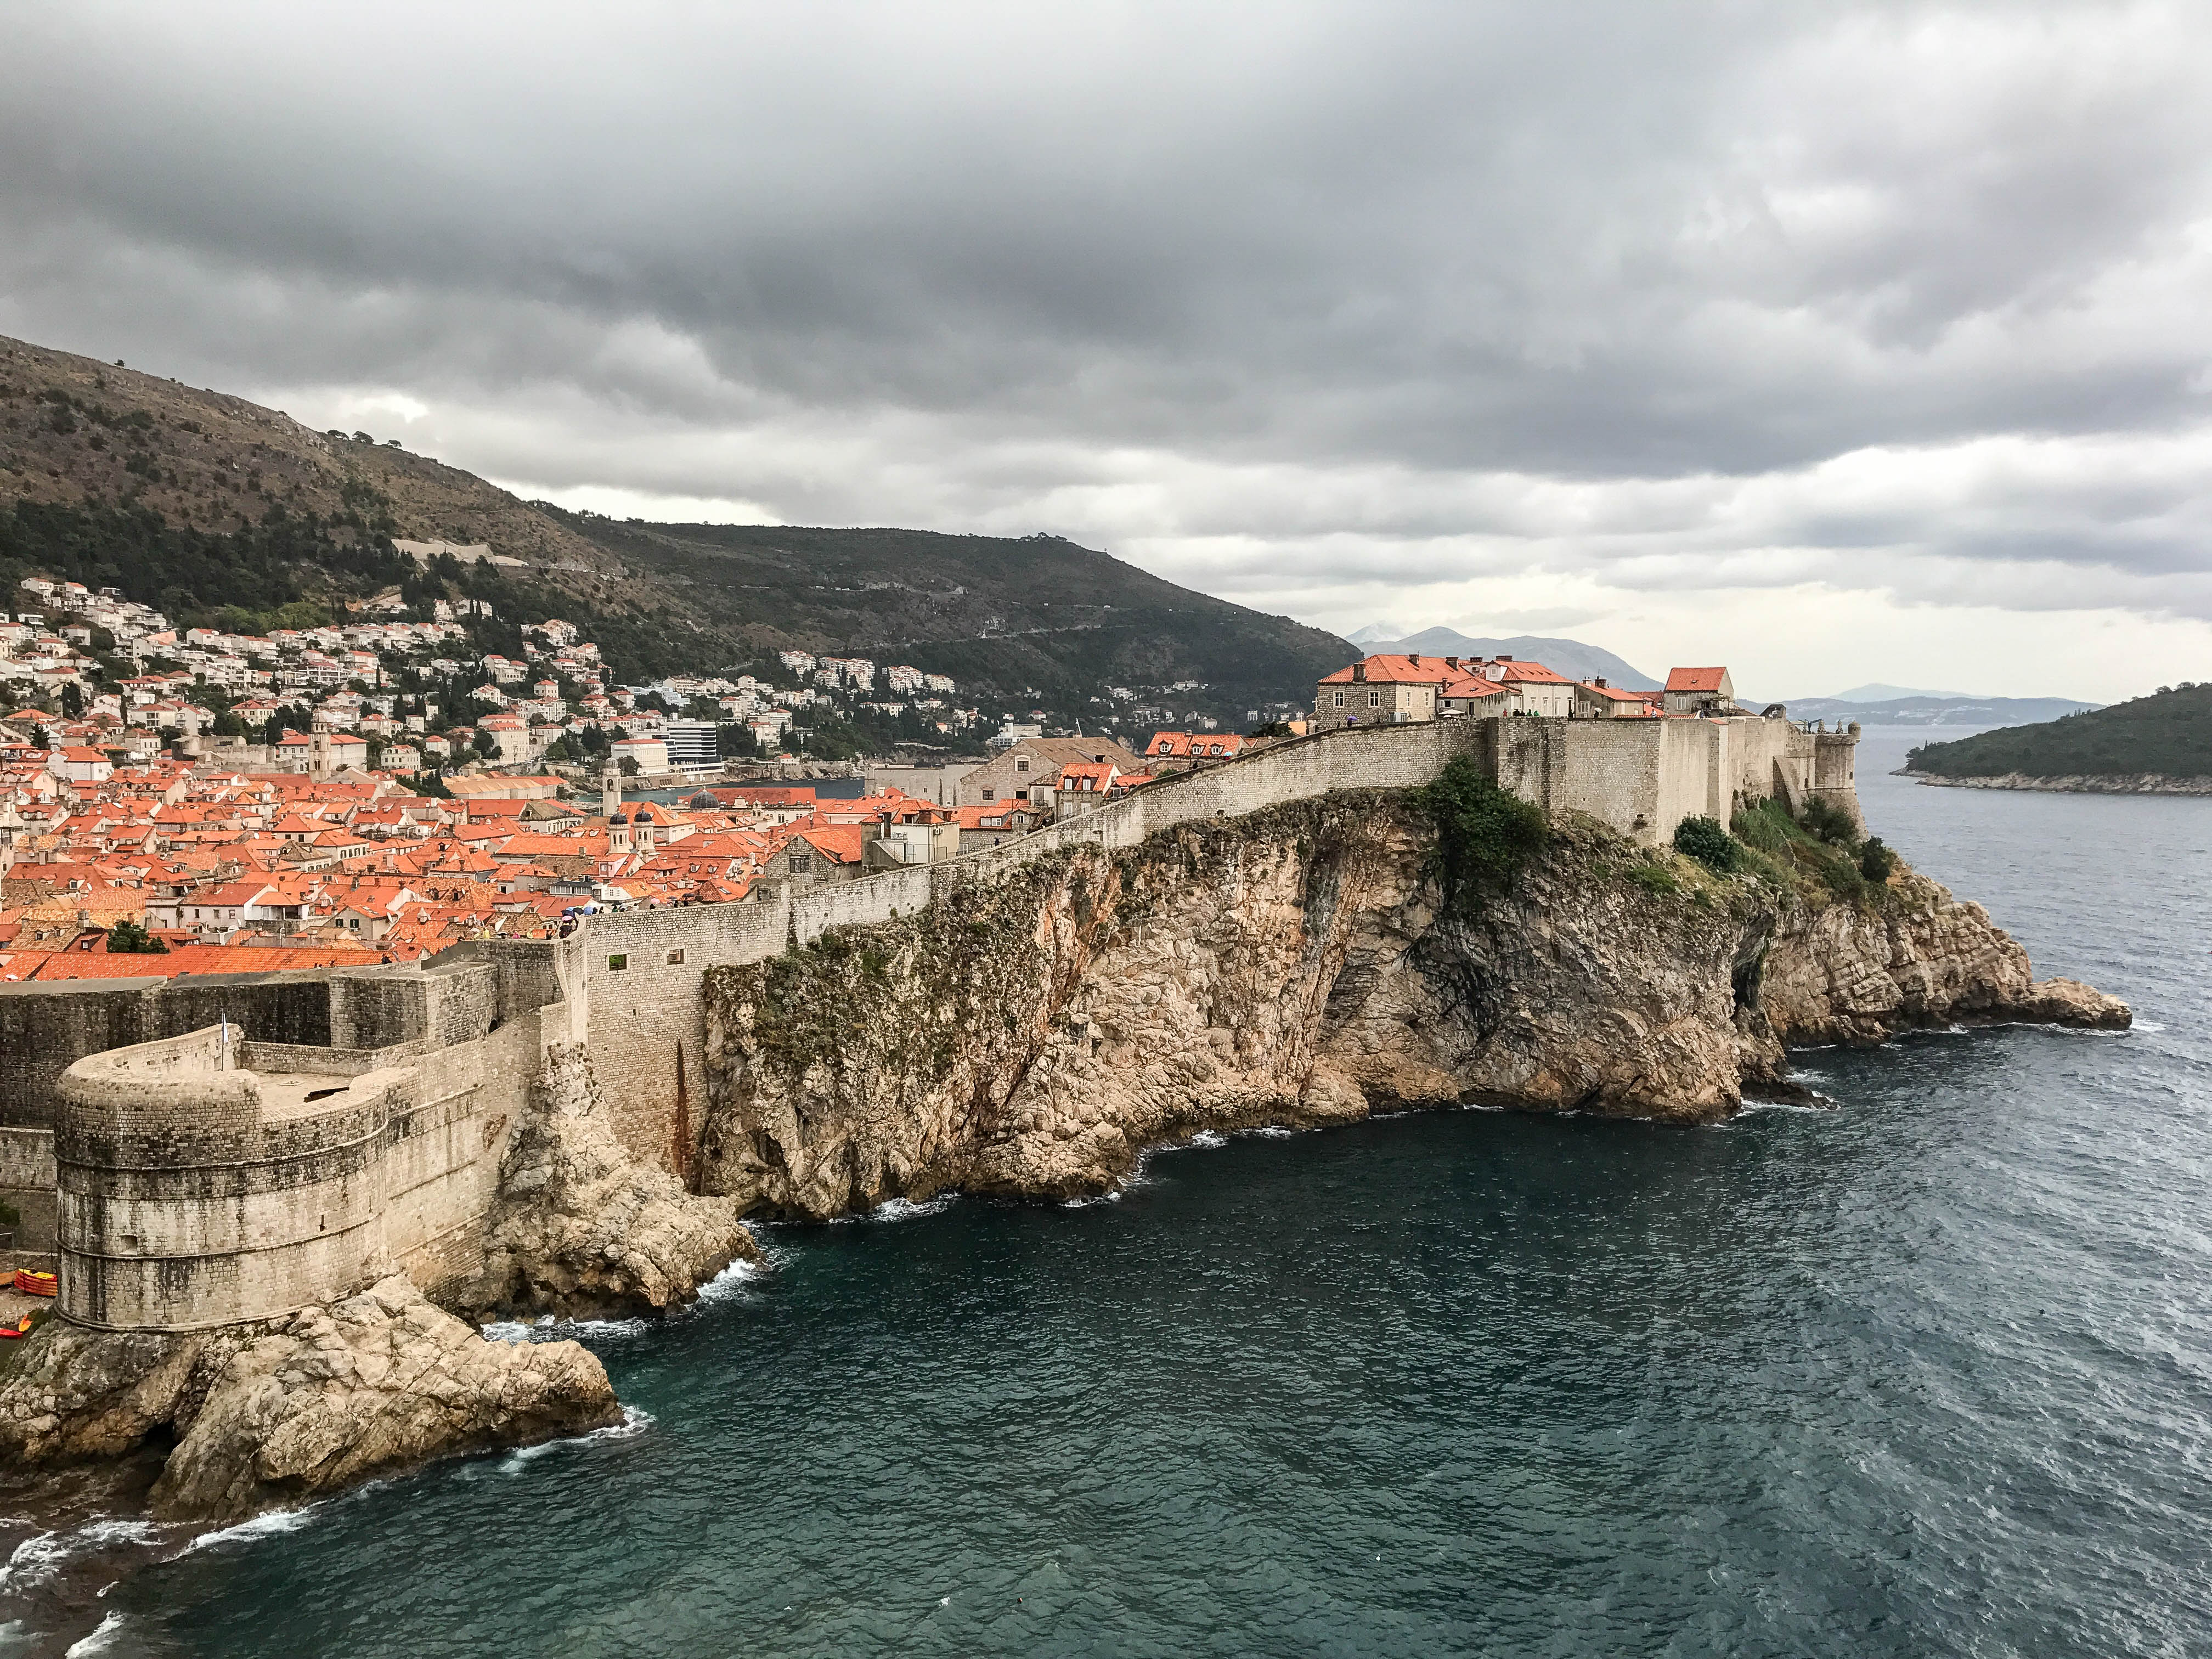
1700	691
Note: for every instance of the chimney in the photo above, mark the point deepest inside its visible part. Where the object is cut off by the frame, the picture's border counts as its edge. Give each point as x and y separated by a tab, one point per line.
1359	670
1452	661
1599	682
1501	656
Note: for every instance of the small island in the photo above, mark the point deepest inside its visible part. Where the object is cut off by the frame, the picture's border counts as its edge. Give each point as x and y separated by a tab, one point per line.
2161	744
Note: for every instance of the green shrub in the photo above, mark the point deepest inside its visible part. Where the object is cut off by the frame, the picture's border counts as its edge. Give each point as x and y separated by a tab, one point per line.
1876	861
1766	827
1484	834
1655	879
1830	822
1703	840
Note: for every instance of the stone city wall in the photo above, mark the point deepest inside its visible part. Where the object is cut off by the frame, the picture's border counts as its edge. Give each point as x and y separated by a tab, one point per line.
210	1178
633	979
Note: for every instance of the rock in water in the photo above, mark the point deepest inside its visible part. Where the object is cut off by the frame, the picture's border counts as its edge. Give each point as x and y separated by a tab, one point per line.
581	1228
274	1414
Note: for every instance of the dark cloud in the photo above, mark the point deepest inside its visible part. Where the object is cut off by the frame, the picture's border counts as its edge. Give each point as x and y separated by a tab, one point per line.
1310	302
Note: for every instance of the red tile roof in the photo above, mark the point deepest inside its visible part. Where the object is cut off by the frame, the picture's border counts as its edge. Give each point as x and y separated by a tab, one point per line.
1694	679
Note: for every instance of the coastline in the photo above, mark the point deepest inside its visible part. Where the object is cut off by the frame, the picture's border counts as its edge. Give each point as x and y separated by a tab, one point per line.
2144	783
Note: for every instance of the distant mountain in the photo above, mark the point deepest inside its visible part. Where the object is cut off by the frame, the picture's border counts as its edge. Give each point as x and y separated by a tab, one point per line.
2167	734
1382	631
1919	709
1572	658
1876	691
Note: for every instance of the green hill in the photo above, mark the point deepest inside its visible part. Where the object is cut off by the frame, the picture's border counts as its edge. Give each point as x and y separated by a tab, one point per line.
2167	734
220	511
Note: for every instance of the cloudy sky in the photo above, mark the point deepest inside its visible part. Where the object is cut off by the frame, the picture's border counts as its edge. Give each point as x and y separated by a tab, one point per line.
1837	342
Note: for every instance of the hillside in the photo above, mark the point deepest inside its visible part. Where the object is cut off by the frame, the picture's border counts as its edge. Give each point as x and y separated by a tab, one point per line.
209	505
2167	734
1039	618
1572	658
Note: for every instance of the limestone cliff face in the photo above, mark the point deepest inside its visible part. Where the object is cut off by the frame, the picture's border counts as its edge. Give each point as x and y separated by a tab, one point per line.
277	1412
1032	1034
1840	974
579	1227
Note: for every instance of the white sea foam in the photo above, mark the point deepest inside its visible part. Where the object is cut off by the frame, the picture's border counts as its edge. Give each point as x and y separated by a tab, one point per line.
635	1422
1208	1139
102	1640
36	1560
1274	1132
906	1209
272	1523
732	1282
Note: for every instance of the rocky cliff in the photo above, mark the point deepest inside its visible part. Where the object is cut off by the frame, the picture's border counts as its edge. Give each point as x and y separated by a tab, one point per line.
1032	1034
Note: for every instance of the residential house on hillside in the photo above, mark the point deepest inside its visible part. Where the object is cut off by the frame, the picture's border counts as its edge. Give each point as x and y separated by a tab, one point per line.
1182	752
1031	762
1530	687
1384	690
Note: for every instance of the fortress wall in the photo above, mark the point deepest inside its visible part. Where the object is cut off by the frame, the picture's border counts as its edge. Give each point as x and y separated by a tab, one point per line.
443	1152
26	1181
815	911
1835	772
46	1028
646	1020
196	1192
190	1195
1685	767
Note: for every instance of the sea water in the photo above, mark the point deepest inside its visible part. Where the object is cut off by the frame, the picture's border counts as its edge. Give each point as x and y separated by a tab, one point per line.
1927	1372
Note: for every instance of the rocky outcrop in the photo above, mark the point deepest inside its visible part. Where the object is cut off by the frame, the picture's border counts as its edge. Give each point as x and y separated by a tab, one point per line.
1844	973
2096	783
1031	1034
579	1227
275	1414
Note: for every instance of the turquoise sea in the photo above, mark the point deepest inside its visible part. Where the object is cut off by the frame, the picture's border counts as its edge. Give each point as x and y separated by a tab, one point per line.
1927	1373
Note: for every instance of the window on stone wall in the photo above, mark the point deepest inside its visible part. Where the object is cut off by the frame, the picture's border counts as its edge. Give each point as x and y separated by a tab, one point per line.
1374	699
1021	764
675	957
1339	700
618	963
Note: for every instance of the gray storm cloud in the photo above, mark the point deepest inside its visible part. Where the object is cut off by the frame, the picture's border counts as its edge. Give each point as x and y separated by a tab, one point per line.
1298	303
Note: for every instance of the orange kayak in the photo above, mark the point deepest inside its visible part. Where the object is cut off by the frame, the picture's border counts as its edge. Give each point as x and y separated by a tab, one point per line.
8	1333
33	1284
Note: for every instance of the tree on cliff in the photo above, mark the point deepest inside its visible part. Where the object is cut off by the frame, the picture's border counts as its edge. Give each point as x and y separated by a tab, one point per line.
1484	834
